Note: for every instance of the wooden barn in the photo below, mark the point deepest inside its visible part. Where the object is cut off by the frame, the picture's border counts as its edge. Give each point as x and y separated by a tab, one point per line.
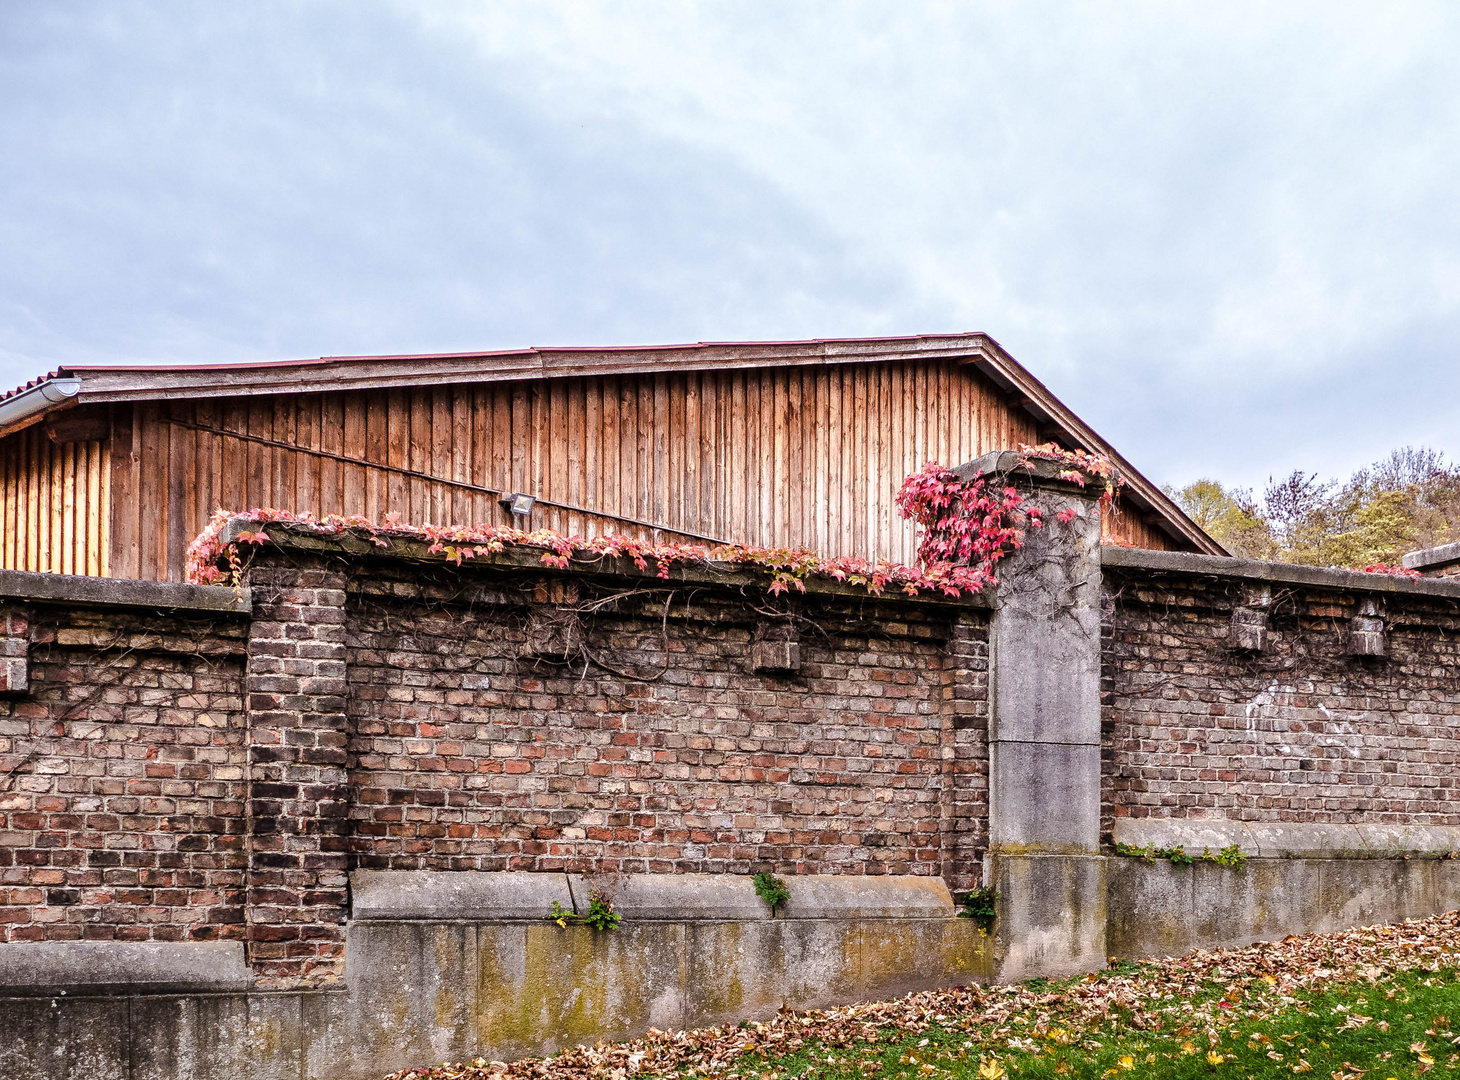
113	470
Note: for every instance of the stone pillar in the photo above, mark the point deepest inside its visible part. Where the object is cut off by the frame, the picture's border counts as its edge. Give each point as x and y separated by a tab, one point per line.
1044	731
298	787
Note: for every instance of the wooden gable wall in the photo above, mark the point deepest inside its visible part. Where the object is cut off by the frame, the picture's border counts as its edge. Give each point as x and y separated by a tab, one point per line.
782	456
55	504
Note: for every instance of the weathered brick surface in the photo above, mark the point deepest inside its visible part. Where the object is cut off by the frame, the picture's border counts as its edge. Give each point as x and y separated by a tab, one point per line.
298	891
643	740
122	776
966	791
1302	731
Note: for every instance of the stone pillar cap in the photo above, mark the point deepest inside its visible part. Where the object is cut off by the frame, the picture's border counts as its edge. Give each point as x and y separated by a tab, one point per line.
1434	558
1043	473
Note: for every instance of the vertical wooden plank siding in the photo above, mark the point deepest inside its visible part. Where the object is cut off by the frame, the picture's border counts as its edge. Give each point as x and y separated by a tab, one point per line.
52	515
809	457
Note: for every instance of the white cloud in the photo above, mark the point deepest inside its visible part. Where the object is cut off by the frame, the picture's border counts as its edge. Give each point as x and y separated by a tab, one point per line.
1211	228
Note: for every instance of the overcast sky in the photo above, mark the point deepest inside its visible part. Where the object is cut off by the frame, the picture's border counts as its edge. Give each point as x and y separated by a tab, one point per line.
1227	236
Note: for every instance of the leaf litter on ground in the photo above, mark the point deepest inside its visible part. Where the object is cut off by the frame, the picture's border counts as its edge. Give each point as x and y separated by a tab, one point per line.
1196	1003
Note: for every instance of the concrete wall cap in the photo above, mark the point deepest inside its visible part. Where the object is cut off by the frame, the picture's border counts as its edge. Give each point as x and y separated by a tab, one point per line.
677	897
1281	839
1044	473
349	543
1184	562
849	896
455	894
121	592
52	967
1432	558
508	895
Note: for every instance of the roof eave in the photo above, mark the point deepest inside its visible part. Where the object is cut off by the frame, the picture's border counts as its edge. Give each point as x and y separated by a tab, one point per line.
1010	376
143	383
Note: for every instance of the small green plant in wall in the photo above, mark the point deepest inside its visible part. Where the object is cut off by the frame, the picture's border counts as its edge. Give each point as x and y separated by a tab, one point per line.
599	916
772	890
978	905
1228	856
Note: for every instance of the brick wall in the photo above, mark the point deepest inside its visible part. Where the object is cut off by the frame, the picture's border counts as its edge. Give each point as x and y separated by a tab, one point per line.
298	890
187	776
966	796
122	780
564	729
1301	731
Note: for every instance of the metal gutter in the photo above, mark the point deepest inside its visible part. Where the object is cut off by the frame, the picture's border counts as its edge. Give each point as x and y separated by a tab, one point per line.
27	407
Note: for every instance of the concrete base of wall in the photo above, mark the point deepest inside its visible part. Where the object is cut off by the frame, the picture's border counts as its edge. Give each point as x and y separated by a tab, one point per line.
426	987
1166	910
1051	914
423	989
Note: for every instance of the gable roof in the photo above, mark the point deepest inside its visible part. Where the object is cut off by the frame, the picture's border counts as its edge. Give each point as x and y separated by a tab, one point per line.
99	384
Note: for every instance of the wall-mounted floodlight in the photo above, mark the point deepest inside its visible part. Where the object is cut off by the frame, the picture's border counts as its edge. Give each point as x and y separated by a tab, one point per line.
518	503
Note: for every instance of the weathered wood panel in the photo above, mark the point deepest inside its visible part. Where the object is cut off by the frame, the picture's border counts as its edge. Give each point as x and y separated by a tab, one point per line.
54	510
1130	526
778	456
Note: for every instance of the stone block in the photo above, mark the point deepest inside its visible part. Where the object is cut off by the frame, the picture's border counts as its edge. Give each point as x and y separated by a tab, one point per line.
1050	915
1044	797
413	989
1361	892
47	967
1149	909
217	1037
541	987
1193	835
1366	636
553	636
1289	839
855	896
455	894
1161	909
751	970
776	657
676	897
1044	675
64	1039
1247	630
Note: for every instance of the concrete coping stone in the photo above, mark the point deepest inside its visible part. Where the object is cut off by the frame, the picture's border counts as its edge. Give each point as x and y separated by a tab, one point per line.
45	968
512	895
297	536
1277	840
455	894
24	585
1185	562
1432	558
1005	463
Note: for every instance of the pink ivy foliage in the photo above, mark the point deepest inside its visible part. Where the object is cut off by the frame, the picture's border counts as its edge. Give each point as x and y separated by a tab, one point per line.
967	528
210	561
968	523
1388	568
975	523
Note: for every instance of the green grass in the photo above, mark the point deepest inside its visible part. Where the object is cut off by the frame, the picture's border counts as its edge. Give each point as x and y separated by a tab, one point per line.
1310	1033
